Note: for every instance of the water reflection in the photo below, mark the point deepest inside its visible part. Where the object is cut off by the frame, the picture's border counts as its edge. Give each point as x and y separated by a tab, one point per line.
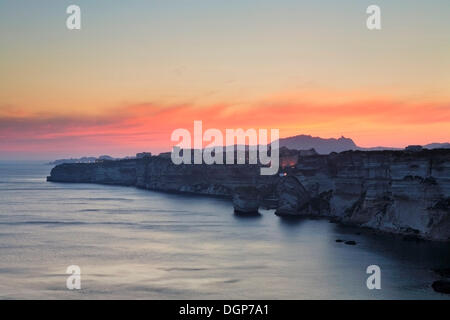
133	243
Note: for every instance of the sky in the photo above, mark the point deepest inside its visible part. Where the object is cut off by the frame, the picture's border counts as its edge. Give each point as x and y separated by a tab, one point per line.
138	69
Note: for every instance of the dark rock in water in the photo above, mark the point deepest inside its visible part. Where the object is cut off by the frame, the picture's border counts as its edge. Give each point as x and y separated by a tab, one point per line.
246	201
445	272
339	240
350	242
442	286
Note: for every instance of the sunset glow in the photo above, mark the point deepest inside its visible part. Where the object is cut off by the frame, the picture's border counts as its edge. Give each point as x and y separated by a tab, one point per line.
130	77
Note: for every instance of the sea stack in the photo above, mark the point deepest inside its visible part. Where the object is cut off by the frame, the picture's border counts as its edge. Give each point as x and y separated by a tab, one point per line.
246	200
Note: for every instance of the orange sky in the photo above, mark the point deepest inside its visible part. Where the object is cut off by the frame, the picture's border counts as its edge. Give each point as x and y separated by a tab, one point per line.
147	126
135	73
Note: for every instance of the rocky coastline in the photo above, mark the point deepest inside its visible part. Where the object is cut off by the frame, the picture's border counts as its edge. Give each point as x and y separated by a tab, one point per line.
398	192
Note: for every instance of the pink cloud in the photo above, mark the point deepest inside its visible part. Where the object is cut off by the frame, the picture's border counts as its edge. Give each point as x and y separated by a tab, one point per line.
148	126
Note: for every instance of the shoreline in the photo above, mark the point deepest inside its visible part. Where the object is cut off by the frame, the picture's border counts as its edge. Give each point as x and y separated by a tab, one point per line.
406	193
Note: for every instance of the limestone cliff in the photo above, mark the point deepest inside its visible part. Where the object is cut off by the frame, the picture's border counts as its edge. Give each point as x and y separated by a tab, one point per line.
392	191
159	173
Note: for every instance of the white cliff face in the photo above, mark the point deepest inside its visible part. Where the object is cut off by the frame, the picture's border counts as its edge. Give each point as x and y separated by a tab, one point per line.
158	173
392	191
108	172
419	199
218	180
389	191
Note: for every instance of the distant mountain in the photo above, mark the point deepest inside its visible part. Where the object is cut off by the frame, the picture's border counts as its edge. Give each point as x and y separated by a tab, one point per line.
322	146
436	145
300	142
326	146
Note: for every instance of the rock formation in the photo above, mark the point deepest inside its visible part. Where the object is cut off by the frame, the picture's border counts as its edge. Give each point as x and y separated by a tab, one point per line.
159	173
392	191
246	200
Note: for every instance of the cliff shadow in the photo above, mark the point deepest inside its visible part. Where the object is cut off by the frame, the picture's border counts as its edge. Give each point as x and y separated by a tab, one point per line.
247	216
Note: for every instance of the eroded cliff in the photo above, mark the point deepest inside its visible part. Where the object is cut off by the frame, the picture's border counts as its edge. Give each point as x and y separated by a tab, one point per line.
392	191
159	173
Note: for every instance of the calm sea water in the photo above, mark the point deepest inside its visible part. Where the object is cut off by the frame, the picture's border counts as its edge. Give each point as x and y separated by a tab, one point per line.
132	243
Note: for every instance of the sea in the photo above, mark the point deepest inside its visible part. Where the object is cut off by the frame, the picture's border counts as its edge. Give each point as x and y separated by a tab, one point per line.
130	243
